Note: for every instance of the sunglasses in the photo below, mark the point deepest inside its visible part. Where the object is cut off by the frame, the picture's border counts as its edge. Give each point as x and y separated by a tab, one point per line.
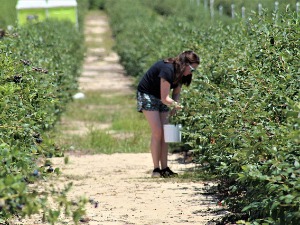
192	68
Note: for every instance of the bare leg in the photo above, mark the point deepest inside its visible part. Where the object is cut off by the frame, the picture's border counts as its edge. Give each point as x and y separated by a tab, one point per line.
157	145
164	145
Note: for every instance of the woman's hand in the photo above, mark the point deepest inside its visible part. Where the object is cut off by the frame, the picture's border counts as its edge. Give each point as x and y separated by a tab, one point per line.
176	105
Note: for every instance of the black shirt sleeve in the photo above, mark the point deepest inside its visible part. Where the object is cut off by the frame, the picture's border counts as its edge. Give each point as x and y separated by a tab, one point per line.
150	82
167	73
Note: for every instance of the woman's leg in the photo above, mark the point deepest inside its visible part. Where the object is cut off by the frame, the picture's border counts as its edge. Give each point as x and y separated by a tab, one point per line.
164	145
154	120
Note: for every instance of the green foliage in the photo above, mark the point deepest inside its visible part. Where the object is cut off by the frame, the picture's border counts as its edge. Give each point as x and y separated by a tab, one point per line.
241	114
249	106
39	67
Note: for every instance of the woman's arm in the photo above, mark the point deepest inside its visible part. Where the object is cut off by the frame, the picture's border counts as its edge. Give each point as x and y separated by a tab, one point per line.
176	93
165	94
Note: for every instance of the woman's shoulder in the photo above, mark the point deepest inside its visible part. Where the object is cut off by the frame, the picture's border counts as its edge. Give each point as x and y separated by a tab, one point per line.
159	62
162	64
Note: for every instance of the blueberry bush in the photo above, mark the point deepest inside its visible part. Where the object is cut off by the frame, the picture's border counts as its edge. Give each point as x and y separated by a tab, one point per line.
39	67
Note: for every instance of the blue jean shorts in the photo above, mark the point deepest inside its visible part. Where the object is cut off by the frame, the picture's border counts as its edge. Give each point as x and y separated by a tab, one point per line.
150	103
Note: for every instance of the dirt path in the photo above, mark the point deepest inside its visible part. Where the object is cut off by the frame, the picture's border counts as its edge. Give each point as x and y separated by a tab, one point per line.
119	186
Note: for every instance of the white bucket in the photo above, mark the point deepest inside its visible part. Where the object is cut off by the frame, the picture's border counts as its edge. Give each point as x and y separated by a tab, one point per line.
172	133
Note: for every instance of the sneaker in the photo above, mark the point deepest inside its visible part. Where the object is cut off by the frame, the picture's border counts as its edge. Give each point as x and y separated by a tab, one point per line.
156	173
167	172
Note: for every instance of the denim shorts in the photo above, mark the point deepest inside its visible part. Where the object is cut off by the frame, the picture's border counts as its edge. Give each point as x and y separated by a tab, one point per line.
150	103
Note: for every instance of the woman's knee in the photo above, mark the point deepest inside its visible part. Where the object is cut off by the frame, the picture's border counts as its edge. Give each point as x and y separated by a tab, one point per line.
157	135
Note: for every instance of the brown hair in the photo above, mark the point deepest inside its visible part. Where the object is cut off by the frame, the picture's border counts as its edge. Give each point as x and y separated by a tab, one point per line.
180	62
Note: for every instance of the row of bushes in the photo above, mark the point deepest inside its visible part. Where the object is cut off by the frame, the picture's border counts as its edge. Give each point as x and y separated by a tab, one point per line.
247	119
242	112
40	64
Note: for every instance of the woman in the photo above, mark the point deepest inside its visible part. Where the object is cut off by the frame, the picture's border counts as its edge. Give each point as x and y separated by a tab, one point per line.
154	100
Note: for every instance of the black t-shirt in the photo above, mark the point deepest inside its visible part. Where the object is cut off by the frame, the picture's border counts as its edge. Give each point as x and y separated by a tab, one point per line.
150	82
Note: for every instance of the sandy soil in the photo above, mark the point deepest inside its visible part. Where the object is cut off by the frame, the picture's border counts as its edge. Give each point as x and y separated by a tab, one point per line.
119	186
124	193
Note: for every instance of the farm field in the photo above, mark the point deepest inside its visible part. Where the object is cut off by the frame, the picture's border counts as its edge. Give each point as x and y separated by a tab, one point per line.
118	185
240	116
